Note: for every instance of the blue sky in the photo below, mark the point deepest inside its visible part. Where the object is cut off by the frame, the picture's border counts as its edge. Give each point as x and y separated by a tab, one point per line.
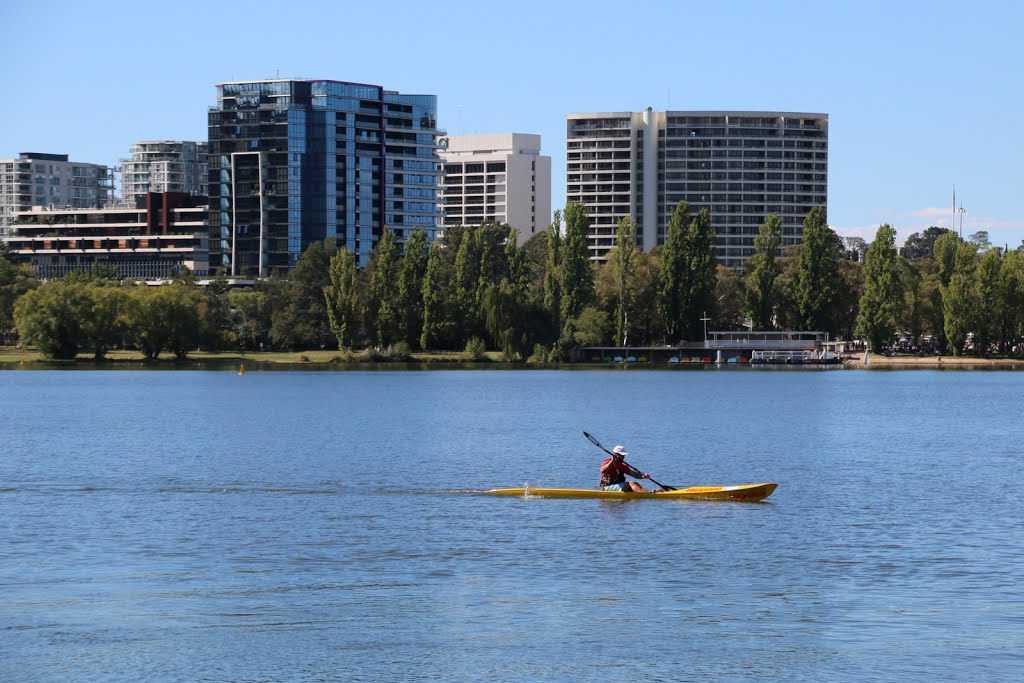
921	96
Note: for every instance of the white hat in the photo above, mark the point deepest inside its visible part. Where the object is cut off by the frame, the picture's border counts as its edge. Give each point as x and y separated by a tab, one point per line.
619	450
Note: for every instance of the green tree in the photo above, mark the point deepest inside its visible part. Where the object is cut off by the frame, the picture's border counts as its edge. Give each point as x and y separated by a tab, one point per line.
251	316
410	287
577	275
552	271
15	280
299	308
383	311
730	300
625	247
883	290
990	301
920	245
672	286
817	275
959	297
104	327
688	274
981	240
50	318
342	297
592	327
945	249
438	323
762	297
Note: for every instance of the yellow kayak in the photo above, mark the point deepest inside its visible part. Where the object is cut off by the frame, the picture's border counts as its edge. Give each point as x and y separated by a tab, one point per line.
745	492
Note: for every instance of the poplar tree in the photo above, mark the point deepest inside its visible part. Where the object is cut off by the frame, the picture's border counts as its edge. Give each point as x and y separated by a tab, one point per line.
342	296
672	277
883	290
764	272
990	301
383	314
577	275
436	320
625	246
552	271
817	274
410	287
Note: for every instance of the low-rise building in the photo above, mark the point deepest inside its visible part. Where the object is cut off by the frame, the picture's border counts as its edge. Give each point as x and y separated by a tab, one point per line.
158	240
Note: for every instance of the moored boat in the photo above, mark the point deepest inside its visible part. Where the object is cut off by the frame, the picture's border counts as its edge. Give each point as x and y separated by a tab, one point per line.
743	492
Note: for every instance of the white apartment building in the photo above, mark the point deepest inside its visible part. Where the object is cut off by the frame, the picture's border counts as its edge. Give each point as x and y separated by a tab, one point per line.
739	165
51	181
163	166
497	178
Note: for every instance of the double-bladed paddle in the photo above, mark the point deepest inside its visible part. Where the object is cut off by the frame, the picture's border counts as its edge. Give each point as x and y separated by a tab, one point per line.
653	481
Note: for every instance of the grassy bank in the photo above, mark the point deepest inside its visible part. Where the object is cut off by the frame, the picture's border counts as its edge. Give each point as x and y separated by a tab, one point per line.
12	355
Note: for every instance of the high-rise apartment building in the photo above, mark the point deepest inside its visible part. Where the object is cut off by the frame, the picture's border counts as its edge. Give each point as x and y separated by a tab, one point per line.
292	162
51	181
501	178
163	166
739	165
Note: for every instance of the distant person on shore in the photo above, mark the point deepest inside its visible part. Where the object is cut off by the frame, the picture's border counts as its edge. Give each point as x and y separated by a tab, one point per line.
614	471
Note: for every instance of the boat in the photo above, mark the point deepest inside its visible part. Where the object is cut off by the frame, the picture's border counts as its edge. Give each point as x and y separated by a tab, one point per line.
742	492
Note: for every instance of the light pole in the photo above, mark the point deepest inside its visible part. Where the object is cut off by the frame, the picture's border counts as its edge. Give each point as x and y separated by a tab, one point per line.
961	211
705	319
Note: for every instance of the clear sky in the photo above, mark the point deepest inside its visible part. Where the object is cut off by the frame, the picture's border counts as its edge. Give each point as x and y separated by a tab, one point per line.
921	96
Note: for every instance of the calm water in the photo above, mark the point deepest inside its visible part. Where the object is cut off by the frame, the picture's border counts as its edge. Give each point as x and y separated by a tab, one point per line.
315	526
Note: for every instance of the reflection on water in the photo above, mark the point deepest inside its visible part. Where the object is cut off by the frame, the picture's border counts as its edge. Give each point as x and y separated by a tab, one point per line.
324	526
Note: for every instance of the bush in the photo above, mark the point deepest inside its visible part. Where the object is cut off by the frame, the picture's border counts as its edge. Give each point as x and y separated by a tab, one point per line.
539	355
399	352
475	349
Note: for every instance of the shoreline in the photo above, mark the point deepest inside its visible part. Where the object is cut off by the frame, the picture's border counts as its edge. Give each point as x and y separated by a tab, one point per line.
18	359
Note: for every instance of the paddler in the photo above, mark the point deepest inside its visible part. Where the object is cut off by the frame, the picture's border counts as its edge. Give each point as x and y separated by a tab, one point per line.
614	471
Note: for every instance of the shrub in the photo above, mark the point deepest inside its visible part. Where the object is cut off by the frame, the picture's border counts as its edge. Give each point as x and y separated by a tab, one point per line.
475	349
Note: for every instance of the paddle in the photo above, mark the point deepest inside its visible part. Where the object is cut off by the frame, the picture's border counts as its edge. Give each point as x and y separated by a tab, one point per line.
653	481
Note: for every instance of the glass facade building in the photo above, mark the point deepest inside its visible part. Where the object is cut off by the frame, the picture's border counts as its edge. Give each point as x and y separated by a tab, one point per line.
292	162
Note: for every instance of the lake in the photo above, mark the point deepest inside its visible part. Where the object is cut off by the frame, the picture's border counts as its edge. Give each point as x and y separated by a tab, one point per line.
326	526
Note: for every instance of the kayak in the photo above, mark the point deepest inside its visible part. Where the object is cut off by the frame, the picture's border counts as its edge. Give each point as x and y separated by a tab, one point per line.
745	492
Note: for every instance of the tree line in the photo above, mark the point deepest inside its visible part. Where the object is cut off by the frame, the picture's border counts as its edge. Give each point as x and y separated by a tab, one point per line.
475	288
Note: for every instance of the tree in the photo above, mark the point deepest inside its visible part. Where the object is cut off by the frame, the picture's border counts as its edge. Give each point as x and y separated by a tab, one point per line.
342	297
410	287
817	275
105	325
920	245
883	290
383	311
981	240
577	276
15	280
671	291
764	271
552	271
592	327
945	249
50	318
990	301
625	247
730	300
251	316
688	273
959	298
298	305
438	323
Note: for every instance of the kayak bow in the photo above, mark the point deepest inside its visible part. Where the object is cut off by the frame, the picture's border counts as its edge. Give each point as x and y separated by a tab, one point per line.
743	492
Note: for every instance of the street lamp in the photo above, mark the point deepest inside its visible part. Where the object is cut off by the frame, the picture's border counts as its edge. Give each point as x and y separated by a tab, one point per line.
961	211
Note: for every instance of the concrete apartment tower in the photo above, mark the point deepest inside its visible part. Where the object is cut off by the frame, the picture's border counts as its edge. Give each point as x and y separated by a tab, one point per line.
51	181
739	165
292	162
163	166
498	178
